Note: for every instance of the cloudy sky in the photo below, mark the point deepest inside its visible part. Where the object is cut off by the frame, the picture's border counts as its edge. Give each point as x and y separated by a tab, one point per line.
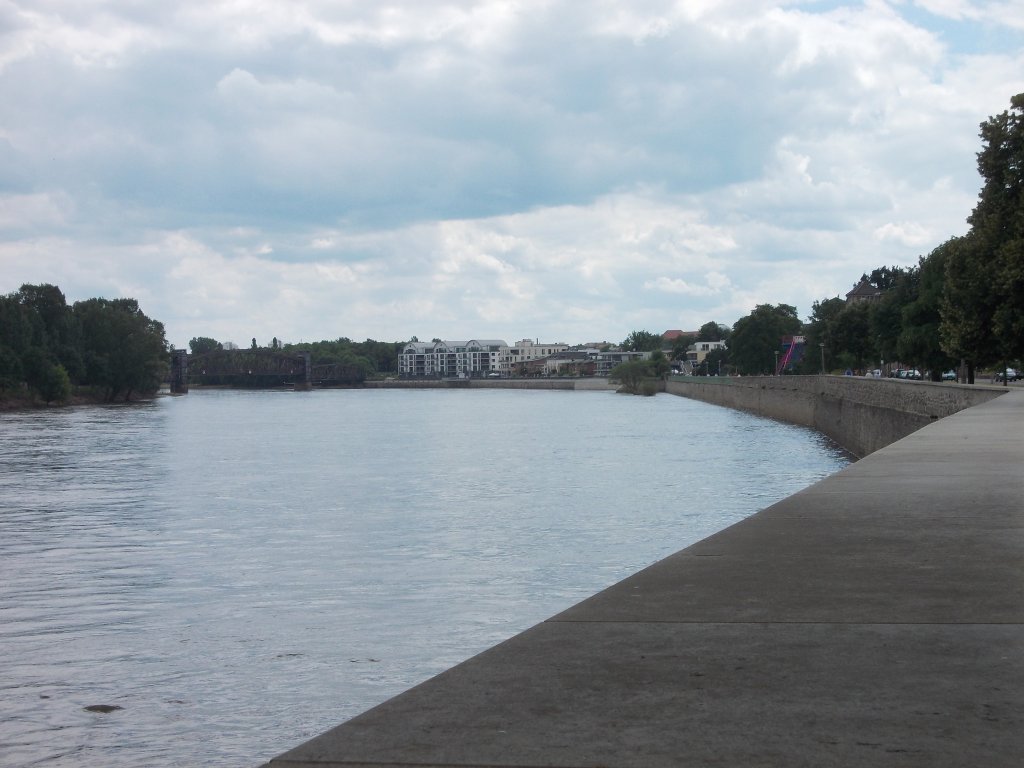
568	171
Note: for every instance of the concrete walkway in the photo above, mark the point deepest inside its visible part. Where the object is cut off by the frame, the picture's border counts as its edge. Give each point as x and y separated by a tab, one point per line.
873	619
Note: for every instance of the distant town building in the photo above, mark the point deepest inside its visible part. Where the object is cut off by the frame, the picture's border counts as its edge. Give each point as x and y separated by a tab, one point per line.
514	358
864	291
472	359
698	351
449	359
605	361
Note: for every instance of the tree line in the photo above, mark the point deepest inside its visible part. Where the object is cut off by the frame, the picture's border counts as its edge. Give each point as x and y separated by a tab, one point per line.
961	304
362	359
105	348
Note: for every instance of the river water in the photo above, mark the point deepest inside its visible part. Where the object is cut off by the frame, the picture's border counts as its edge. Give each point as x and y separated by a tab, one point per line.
239	571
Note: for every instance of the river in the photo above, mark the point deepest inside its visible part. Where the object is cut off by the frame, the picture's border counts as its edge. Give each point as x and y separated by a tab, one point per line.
238	571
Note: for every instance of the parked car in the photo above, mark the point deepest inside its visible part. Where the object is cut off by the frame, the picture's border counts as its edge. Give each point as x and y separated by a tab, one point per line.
1010	373
907	373
949	376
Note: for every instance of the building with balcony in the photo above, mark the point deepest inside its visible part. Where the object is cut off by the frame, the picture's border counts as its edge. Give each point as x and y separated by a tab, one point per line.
450	359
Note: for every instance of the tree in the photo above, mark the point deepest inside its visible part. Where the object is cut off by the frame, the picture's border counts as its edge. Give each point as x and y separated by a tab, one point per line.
642	341
887	312
633	375
919	341
712	331
658	364
756	337
983	298
884	278
681	346
54	386
821	330
852	344
715	361
200	344
124	351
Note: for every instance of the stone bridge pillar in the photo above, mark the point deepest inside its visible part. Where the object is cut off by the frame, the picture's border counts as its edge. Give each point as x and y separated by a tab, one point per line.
179	372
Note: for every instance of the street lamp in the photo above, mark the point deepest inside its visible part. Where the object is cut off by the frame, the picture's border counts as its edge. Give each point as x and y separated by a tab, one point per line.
821	345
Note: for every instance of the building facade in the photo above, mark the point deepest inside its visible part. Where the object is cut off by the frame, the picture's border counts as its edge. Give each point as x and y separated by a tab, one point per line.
450	359
514	359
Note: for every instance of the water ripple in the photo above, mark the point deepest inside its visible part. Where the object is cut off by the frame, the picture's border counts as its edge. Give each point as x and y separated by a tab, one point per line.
238	571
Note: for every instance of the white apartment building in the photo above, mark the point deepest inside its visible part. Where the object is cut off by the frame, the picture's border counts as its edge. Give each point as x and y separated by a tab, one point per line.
449	359
473	358
525	351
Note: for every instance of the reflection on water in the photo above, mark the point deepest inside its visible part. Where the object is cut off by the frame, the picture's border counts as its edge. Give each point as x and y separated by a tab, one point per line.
238	571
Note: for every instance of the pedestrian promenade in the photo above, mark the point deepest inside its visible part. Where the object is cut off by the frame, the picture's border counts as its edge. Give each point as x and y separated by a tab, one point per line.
873	619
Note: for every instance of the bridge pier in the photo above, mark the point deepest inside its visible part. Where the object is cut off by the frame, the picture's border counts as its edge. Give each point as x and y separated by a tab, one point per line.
179	372
307	374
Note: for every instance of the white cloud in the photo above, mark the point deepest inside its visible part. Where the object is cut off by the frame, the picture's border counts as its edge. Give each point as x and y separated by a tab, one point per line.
491	168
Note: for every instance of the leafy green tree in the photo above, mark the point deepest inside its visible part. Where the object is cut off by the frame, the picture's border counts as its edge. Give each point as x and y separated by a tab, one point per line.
884	278
852	345
887	312
919	341
716	361
55	385
200	344
712	331
54	326
756	337
821	330
11	372
124	351
983	301
642	341
681	346
632	375
658	364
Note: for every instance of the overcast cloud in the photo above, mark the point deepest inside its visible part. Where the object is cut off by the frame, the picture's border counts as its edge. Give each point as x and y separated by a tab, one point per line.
496	169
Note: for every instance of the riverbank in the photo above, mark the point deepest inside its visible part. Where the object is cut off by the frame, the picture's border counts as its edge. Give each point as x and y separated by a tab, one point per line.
10	404
871	619
861	414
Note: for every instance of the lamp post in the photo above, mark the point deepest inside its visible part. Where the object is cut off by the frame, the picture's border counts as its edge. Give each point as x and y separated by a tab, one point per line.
821	345
776	362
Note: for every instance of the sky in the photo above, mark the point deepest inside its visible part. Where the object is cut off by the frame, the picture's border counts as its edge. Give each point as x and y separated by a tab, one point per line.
501	169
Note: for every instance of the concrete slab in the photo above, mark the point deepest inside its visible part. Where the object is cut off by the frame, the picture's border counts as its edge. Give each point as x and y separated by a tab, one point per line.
874	619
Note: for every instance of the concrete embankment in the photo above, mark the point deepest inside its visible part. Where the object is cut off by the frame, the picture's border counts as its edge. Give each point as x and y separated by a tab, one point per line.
872	619
861	414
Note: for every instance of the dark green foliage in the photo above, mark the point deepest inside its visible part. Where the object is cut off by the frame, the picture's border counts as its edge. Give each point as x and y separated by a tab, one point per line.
47	347
681	345
200	344
659	364
756	337
632	376
55	385
712	331
919	341
821	330
852	345
123	350
983	298
370	357
642	341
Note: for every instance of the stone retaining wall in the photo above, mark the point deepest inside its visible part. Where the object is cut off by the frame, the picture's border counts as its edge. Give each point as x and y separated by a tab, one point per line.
861	414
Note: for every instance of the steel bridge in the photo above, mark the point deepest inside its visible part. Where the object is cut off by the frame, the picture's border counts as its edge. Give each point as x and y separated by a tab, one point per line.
256	368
